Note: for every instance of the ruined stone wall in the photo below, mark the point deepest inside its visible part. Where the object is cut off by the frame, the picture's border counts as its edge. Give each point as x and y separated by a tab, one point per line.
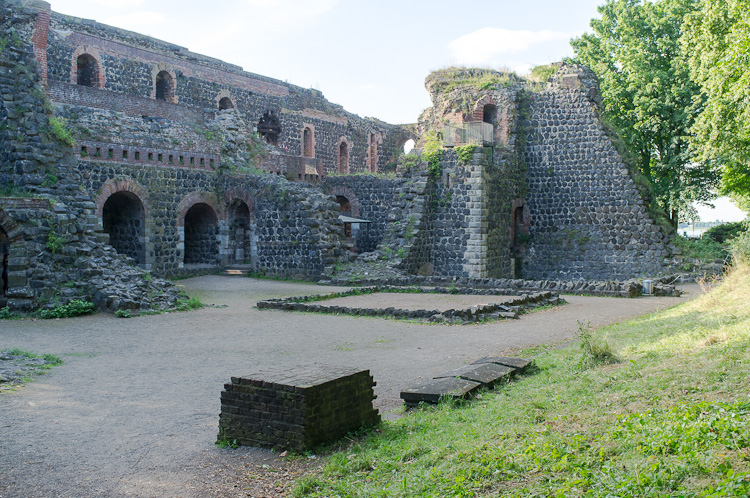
371	199
586	217
293	227
130	64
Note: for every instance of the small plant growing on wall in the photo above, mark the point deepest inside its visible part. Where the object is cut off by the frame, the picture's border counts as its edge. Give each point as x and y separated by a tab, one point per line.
59	130
54	243
465	152
433	154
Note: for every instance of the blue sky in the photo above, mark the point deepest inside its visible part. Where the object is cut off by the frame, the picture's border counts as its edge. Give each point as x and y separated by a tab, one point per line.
369	56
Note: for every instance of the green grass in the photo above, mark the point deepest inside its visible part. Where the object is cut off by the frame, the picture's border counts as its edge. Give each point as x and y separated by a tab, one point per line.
52	360
671	418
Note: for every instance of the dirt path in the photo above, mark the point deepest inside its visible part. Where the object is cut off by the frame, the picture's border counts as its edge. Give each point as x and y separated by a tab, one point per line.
134	410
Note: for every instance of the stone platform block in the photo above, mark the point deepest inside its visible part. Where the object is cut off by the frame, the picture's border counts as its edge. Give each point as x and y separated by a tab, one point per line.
434	390
519	364
298	408
484	373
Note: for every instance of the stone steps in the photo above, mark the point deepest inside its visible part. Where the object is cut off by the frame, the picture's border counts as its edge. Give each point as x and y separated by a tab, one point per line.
237	270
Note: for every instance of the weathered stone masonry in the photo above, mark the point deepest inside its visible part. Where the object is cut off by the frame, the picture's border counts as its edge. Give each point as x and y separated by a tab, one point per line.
182	165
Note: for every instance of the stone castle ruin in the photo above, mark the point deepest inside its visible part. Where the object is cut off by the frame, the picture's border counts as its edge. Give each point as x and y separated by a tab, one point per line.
125	159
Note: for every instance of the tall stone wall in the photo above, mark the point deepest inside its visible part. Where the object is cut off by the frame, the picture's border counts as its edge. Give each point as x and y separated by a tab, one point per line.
586	218
370	198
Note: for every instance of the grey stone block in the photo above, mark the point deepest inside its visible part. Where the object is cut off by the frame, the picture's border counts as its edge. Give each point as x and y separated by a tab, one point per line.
484	373
519	364
433	390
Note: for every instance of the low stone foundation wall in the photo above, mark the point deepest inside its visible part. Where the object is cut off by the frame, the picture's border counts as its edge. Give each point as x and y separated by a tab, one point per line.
296	409
629	288
484	312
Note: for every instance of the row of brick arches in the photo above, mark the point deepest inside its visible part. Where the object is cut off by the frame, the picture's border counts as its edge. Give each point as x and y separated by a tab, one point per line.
124	219
88	73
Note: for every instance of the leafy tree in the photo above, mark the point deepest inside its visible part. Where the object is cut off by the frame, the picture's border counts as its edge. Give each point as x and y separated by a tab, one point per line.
648	94
717	39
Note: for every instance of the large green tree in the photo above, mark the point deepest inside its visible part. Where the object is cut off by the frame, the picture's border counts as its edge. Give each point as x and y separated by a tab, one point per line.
648	94
717	39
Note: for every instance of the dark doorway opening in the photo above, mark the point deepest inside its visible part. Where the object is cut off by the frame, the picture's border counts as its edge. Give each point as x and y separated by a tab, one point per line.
344	157
489	114
87	71
201	242
240	231
269	128
123	218
164	87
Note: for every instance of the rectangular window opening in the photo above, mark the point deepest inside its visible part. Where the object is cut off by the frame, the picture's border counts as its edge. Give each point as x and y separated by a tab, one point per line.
137	156
110	153
124	154
150	156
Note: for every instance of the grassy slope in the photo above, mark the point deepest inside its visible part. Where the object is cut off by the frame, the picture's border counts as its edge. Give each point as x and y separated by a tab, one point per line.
671	419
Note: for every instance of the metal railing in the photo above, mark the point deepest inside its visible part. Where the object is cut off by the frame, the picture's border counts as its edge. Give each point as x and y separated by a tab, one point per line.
476	133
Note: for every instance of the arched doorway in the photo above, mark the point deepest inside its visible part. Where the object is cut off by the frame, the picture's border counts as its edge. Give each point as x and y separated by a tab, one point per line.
346	206
489	114
201	242
239	221
4	259
164	86
87	71
307	143
123	218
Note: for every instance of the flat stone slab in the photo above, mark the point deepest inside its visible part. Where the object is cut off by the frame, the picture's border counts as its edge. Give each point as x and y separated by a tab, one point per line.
519	364
484	373
432	390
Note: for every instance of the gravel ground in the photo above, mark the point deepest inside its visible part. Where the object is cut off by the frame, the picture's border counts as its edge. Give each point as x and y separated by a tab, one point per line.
134	409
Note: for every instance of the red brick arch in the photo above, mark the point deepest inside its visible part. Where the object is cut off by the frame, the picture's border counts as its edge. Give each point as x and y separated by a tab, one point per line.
120	185
191	200
93	52
242	195
478	113
346	192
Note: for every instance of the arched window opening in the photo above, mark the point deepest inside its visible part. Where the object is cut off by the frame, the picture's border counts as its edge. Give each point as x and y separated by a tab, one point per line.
4	257
409	145
123	219
164	86
225	103
489	114
240	231
307	143
269	128
346	206
343	157
87	71
201	230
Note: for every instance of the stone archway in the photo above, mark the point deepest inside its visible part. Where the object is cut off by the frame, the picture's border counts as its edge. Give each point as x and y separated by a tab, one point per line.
201	230
241	229
123	218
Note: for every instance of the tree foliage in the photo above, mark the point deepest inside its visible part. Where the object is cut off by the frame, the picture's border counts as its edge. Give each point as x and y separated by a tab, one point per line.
717	39
648	94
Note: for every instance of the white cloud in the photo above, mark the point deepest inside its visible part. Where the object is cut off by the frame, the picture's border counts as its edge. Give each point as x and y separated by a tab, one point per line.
486	46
